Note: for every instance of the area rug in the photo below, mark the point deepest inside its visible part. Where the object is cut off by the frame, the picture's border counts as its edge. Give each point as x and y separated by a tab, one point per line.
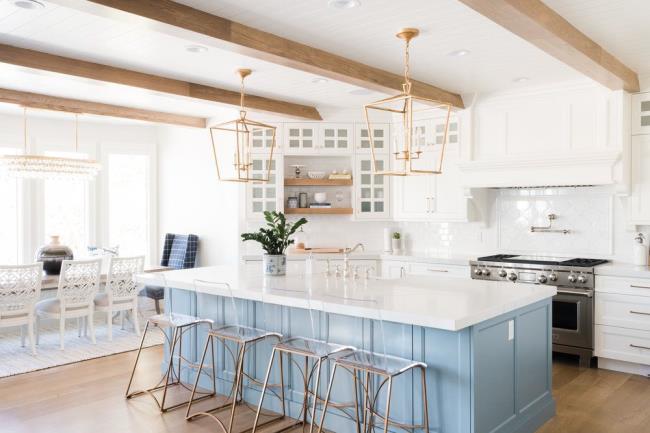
15	359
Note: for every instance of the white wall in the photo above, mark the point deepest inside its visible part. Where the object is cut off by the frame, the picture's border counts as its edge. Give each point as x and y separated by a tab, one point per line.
191	200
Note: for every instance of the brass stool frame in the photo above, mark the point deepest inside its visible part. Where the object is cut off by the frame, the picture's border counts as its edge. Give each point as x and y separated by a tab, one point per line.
236	393
170	373
307	375
370	398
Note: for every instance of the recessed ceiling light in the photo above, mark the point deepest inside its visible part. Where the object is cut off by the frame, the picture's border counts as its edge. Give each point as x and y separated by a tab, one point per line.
196	48
344	4
319	80
459	53
28	4
361	92
521	79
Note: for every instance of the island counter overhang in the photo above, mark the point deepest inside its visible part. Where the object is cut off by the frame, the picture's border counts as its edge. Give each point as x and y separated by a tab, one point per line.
487	344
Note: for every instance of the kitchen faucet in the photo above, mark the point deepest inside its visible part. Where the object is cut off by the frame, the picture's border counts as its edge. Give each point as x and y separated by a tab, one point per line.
346	264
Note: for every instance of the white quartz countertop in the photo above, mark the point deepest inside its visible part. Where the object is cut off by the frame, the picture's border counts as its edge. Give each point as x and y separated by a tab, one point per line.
622	270
447	259
430	301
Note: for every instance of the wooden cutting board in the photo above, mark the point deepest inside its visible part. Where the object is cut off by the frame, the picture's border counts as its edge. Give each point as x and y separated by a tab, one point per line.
317	251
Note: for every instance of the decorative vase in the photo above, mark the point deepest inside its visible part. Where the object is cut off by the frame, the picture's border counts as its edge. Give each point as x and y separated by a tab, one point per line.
274	264
52	255
397	246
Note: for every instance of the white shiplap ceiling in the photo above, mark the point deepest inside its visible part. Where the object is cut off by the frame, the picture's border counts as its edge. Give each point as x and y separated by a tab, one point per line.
76	28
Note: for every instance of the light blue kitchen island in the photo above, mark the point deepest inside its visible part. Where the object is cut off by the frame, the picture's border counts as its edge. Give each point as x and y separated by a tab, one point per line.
487	344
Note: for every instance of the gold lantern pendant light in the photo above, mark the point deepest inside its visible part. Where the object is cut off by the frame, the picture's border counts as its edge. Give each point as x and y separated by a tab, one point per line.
49	167
410	147
239	133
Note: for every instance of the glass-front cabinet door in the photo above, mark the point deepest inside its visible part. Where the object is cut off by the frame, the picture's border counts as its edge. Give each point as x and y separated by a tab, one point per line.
372	190
337	138
380	135
262	139
300	138
262	197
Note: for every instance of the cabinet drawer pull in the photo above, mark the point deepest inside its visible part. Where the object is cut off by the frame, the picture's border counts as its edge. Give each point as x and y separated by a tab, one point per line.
437	270
639	312
634	286
639	347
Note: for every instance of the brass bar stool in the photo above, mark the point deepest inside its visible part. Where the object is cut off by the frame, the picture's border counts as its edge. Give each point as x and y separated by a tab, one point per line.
245	338
366	366
318	351
178	325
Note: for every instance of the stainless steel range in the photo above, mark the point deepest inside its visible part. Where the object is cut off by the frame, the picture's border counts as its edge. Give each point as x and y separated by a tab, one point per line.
573	306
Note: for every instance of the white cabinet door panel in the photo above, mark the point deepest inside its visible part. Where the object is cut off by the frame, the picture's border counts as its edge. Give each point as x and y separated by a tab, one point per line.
380	135
336	138
372	190
624	311
639	200
300	138
641	113
623	344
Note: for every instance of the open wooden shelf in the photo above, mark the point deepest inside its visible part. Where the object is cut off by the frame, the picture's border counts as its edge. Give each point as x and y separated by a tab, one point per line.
317	182
321	211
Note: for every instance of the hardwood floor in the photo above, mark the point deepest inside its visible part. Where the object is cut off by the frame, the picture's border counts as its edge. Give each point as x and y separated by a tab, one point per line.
89	396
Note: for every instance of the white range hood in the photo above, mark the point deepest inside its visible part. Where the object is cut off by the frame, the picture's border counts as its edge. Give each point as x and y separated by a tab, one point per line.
597	168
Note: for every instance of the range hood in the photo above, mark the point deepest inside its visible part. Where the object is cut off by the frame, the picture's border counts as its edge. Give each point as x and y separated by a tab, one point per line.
597	168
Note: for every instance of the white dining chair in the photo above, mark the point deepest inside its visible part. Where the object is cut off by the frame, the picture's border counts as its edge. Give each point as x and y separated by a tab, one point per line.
20	288
78	283
121	294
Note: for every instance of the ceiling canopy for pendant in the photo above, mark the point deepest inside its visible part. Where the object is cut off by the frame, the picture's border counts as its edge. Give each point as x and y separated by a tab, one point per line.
415	151
233	140
33	166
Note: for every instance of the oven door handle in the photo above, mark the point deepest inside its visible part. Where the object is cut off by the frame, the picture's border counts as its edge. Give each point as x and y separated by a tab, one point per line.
587	293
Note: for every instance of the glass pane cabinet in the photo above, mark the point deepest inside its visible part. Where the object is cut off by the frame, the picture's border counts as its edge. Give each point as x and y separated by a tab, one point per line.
641	113
336	138
372	190
262	139
300	138
262	197
380	134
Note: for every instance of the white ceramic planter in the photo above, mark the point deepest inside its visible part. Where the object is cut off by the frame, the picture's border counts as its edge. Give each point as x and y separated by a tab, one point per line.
274	264
397	246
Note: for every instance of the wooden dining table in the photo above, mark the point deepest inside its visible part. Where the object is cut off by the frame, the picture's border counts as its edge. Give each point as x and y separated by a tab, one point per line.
50	282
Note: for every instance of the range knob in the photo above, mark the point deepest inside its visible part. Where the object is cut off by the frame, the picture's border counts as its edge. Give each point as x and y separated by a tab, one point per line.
552	276
486	272
582	279
542	279
478	272
503	273
572	278
512	277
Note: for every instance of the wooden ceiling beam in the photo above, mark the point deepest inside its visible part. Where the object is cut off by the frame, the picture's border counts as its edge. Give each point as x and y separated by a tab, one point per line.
55	103
540	25
80	68
255	43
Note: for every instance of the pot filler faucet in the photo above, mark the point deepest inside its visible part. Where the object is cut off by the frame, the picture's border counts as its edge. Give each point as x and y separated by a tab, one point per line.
346	252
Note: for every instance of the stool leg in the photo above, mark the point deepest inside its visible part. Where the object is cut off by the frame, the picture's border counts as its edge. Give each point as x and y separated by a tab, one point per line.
355	385
367	414
170	367
137	358
266	382
305	391
240	369
284	410
425	400
198	375
390	392
315	402
327	398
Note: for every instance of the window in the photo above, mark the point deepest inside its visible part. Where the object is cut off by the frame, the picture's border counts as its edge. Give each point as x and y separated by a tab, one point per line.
65	209
128	203
9	218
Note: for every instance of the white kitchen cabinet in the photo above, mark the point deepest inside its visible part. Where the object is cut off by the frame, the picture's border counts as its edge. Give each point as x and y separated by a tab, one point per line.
266	196
639	199
641	113
372	190
393	268
399	268
380	135
336	138
262	139
300	138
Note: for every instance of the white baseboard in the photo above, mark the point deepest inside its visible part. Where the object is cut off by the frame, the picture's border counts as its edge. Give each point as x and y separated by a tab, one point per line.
624	366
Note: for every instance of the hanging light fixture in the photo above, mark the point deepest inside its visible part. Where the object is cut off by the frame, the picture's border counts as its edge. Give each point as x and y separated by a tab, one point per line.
413	155
235	137
48	167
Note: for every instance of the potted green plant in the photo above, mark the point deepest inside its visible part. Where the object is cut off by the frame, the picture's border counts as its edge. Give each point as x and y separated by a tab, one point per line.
275	238
397	243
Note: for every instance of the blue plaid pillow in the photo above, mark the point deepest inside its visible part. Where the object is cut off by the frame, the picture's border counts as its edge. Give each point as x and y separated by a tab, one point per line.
180	251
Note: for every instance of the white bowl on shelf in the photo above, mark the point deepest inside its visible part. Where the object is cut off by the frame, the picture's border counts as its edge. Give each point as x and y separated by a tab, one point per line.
316	174
320	197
